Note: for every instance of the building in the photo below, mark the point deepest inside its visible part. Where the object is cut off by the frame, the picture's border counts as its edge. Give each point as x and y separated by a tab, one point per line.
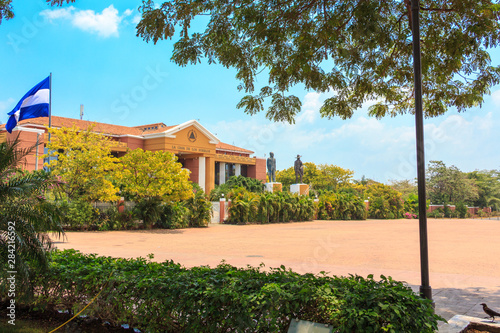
210	161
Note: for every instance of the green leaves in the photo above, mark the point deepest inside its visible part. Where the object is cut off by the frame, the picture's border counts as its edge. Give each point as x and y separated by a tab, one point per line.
84	162
153	174
164	297
359	50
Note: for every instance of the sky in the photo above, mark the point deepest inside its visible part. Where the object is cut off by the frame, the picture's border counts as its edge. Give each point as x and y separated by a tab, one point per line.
95	58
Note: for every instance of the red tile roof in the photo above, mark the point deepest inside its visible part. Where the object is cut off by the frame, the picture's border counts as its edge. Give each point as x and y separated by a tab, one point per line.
225	146
116	129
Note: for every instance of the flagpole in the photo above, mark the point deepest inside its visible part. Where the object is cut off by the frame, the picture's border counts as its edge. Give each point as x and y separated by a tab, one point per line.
50	103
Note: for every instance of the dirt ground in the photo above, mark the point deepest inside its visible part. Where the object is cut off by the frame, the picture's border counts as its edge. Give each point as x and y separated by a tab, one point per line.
462	253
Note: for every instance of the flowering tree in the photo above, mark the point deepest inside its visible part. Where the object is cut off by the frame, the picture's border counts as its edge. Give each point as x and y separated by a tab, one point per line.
148	174
84	162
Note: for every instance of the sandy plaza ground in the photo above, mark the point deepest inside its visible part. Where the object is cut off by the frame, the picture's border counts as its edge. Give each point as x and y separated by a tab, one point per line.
464	255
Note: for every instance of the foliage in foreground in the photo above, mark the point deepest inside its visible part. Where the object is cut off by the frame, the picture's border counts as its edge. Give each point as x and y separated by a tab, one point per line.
166	297
25	214
367	41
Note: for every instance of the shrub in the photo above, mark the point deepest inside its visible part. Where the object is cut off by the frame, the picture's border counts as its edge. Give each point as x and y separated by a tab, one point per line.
447	211
437	213
340	206
461	209
410	216
112	219
199	210
149	210
268	207
248	183
234	182
78	214
166	297
385	202
174	216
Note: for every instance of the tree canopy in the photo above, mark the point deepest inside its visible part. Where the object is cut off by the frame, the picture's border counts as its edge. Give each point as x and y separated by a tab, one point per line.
320	177
84	162
488	184
449	185
358	50
148	174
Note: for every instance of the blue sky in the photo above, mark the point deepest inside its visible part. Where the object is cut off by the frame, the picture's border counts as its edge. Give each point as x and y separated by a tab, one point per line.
96	60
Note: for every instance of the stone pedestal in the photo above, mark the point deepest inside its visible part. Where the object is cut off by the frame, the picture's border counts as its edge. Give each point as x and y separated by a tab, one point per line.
274	187
301	189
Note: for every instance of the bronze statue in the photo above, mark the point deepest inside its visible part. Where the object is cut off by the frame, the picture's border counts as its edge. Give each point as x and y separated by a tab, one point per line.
299	169
271	167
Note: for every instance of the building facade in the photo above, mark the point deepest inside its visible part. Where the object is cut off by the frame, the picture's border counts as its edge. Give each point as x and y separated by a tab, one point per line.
210	161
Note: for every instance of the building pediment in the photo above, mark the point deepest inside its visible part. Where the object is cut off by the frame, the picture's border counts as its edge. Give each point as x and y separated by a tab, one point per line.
192	128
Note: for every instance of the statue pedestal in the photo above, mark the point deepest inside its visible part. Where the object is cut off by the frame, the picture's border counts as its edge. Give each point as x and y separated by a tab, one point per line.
301	189
273	187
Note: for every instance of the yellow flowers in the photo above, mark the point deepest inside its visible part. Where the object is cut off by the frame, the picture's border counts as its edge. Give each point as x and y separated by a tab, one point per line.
154	174
92	173
84	162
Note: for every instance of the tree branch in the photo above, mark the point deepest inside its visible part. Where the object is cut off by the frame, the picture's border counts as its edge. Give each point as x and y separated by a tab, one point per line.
442	10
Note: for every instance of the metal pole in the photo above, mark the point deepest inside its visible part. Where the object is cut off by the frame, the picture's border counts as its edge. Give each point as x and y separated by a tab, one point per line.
425	288
50	104
36	152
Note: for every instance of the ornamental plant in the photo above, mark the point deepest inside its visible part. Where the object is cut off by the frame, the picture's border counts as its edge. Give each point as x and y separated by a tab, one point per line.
341	206
153	175
385	202
25	215
167	297
83	160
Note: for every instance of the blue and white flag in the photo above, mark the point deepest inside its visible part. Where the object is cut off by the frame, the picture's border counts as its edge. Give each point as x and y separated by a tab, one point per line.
33	105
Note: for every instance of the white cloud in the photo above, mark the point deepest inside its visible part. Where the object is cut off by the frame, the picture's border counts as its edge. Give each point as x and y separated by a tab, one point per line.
495	97
104	24
379	149
60	13
310	107
6	105
136	19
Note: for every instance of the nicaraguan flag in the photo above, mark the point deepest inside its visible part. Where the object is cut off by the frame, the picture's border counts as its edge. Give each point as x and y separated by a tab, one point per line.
33	105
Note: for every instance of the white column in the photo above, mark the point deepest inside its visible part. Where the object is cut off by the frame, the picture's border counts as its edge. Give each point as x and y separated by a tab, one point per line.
237	170
201	172
222	173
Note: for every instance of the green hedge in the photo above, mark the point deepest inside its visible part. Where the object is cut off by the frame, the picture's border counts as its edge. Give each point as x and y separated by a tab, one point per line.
166	297
249	207
340	206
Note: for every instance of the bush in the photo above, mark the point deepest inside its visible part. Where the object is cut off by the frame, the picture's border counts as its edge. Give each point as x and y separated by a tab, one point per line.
78	214
436	213
149	210
268	207
340	206
112	219
174	216
166	297
447	211
199	210
234	182
385	202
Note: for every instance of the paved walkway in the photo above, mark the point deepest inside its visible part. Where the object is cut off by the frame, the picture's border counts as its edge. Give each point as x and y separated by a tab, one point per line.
462	274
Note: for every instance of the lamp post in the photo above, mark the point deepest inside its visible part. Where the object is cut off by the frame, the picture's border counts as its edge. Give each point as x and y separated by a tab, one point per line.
425	288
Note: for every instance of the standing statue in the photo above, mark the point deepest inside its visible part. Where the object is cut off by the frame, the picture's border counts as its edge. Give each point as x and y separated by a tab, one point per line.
299	170
271	167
